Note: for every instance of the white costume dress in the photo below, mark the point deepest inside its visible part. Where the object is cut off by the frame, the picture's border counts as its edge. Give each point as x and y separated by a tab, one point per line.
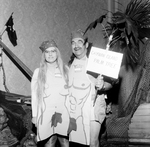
54	117
80	102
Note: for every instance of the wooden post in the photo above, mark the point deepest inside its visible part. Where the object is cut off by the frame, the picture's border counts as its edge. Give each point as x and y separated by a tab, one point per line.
116	5
109	10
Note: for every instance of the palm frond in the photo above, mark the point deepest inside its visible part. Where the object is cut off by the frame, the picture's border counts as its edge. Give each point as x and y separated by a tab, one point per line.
95	23
131	27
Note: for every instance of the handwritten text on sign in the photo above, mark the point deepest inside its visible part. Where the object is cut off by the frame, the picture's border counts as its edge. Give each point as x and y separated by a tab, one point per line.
104	62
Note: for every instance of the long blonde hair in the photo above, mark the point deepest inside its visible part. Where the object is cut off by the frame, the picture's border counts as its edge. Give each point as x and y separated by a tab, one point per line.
42	74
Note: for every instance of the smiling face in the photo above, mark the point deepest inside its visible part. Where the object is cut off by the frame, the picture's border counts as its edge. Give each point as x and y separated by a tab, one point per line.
50	54
78	47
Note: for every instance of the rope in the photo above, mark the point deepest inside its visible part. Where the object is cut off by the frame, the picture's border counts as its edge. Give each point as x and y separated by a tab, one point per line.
4	76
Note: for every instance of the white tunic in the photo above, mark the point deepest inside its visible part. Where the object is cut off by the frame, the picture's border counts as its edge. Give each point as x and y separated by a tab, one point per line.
54	118
79	102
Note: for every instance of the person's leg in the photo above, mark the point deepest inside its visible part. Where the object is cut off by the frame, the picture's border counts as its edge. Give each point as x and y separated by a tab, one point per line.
52	141
94	134
64	142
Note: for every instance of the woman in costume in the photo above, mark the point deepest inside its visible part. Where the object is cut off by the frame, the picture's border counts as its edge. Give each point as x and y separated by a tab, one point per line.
49	92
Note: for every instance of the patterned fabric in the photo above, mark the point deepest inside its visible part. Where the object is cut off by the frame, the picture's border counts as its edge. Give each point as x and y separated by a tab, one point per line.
117	128
47	44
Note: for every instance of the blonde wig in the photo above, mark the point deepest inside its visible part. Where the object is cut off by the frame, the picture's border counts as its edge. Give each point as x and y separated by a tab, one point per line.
42	74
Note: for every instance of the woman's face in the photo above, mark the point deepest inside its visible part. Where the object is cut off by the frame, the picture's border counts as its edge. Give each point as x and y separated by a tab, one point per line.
50	54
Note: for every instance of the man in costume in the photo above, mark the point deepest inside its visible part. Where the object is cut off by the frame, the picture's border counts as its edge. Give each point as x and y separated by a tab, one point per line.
85	106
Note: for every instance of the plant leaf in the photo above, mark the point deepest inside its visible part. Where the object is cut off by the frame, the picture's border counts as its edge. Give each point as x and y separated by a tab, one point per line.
94	23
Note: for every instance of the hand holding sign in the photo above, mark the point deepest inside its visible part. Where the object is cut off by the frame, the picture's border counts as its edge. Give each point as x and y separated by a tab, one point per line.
100	82
99	85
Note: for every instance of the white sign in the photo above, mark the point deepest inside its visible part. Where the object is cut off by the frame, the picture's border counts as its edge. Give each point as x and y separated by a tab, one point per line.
104	62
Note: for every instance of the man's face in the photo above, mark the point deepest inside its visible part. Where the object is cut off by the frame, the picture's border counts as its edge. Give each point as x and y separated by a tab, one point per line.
50	54
78	47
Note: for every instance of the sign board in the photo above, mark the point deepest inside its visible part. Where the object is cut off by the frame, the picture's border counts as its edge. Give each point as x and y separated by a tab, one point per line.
104	62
